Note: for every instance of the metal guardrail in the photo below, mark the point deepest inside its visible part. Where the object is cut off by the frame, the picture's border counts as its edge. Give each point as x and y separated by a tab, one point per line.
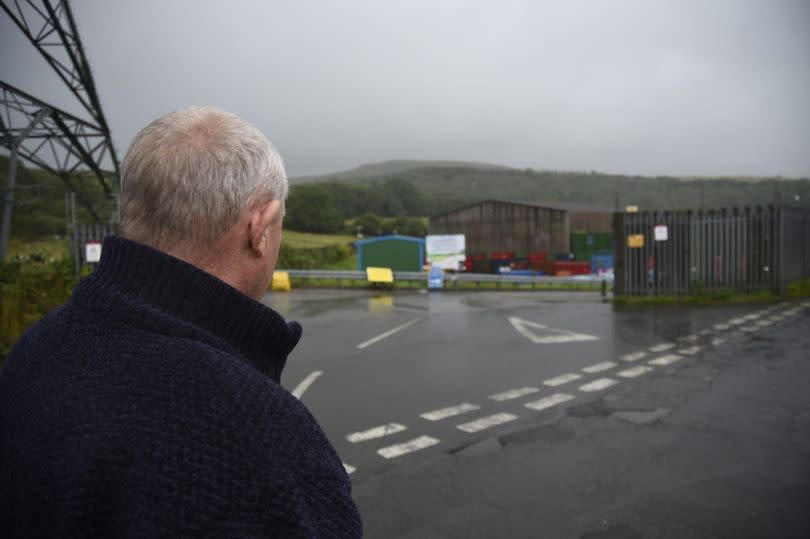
451	279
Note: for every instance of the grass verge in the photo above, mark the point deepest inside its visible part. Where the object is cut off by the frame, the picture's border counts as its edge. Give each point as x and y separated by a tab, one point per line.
797	290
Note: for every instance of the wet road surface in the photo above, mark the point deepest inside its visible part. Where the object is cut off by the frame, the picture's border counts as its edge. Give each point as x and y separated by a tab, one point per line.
429	398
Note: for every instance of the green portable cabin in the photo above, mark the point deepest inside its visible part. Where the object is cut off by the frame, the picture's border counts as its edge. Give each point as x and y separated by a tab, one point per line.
400	253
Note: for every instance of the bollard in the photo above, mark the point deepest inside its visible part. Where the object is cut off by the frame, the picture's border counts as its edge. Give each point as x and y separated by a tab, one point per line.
604	288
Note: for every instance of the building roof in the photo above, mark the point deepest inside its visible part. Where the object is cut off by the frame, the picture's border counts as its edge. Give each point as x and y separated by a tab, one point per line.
553	206
399	237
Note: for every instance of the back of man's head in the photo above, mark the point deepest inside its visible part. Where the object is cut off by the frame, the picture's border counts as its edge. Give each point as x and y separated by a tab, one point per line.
189	175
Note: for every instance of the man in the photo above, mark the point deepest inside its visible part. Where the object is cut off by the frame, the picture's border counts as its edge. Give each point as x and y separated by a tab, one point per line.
150	404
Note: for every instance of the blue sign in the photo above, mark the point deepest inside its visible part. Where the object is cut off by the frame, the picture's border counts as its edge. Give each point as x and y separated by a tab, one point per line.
435	278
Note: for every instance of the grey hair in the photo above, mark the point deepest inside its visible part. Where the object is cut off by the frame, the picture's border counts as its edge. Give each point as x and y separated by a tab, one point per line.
189	175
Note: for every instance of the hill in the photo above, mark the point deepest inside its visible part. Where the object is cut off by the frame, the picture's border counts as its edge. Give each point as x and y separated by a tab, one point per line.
393	167
461	182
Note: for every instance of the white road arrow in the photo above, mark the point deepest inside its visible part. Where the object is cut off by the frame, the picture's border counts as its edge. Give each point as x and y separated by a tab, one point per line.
557	336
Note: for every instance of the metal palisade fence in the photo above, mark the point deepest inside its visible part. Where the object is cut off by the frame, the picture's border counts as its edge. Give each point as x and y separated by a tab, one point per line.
687	252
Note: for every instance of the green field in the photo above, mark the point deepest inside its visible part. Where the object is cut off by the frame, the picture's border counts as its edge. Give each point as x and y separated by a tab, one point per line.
305	240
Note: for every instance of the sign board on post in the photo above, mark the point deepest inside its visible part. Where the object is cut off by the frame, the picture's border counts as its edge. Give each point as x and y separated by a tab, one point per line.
635	241
435	278
446	251
661	233
92	252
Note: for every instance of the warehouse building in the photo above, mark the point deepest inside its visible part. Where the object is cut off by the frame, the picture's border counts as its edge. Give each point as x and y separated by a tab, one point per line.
495	226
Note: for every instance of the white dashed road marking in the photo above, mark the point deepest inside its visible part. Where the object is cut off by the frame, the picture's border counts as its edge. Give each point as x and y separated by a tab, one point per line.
663	347
597	385
548	402
562	379
451	411
721	327
386	334
666	360
599	367
398	450
635	356
514	393
487	422
717	342
635	371
305	383
691	350
376	432
688	338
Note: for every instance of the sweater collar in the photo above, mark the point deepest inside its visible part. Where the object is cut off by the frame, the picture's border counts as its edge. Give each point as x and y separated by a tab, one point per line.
150	287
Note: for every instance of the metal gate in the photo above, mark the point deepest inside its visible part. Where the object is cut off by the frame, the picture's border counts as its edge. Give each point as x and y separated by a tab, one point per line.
738	249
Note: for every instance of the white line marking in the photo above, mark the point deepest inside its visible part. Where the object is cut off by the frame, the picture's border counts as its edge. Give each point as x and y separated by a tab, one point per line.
717	342
450	411
597	385
398	450
514	393
562	379
386	334
599	367
666	360
721	327
349	469
305	383
635	371
487	422
688	338
749	329
548	402
635	356
663	347
561	336
752	316
705	332
376	432
691	350
764	323
737	321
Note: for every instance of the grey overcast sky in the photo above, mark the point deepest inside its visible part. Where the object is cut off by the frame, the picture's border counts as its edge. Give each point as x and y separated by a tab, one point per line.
699	87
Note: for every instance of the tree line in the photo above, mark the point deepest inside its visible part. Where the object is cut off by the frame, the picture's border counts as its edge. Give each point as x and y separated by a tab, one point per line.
325	207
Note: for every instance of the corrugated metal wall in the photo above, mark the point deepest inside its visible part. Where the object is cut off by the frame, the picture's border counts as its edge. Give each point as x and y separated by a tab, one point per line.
494	226
748	249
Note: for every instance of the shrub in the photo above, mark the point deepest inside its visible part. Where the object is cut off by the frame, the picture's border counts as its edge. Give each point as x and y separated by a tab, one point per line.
30	286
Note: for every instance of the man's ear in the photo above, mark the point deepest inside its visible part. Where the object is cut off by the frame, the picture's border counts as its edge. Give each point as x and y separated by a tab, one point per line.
262	218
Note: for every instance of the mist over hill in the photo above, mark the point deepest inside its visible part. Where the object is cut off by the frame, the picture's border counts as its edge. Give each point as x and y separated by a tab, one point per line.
468	182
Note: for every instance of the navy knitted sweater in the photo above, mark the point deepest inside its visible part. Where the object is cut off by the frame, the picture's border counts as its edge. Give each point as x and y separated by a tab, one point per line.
149	405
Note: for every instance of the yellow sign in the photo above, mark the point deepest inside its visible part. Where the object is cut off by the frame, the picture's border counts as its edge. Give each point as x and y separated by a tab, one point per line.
281	281
635	241
631	209
379	275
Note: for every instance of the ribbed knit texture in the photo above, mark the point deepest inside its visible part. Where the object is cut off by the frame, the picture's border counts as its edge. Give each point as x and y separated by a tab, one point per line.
149	406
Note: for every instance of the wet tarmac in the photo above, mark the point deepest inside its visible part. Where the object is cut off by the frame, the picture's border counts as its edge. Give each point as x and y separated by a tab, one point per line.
407	380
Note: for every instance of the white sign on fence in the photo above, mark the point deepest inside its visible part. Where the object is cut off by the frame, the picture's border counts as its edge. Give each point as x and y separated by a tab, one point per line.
446	251
92	252
661	233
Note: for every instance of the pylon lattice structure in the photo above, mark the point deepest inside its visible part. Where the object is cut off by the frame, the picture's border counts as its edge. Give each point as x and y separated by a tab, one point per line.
45	135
